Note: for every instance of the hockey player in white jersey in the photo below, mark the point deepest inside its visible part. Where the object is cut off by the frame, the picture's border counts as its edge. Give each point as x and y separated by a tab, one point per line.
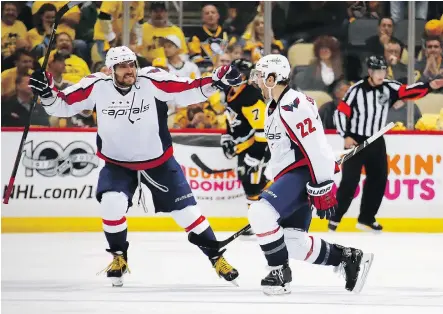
134	140
302	165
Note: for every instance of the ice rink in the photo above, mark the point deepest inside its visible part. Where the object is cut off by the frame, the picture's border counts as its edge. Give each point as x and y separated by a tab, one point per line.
56	273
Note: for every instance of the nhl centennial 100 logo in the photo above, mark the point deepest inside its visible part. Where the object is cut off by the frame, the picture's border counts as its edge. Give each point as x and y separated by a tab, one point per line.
49	159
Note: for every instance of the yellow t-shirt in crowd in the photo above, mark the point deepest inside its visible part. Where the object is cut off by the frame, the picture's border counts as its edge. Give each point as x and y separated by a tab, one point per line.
115	9
73	13
151	47
76	68
8	82
10	35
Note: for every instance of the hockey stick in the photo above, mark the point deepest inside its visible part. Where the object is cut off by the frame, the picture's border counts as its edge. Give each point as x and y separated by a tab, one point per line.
217	245
205	168
58	17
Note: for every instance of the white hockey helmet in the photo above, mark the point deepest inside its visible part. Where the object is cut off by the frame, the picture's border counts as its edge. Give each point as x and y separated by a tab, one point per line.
117	55
275	64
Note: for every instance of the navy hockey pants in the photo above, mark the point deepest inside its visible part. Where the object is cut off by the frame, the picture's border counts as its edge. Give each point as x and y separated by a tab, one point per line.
289	198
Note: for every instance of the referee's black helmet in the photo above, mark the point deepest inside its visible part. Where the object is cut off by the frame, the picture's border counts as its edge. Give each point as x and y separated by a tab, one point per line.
377	63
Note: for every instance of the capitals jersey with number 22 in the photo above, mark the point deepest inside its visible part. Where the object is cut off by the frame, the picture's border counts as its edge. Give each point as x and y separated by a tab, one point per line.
296	137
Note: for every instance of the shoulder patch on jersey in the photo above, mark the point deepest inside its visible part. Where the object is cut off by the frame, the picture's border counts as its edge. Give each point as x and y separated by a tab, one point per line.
155	70
291	107
91	76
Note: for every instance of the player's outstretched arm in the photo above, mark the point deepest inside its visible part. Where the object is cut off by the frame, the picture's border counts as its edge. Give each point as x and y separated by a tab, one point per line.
413	91
184	91
68	102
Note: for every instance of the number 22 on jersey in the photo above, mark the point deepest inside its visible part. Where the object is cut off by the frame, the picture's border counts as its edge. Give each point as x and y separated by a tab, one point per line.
305	127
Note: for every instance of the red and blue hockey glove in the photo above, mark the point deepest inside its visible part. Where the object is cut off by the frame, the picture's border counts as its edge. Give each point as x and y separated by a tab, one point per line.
321	198
41	83
226	76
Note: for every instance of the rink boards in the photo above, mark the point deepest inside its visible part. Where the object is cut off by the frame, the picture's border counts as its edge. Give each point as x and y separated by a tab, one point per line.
56	181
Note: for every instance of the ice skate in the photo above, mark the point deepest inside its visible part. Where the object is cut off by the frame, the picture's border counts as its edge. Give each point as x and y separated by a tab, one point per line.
224	269
354	267
374	227
278	281
117	268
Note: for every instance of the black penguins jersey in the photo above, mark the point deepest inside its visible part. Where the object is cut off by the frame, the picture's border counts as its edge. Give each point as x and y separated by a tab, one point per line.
245	119
201	41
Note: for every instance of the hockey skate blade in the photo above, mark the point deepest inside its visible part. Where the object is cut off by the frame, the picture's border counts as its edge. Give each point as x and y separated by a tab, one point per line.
117	281
277	290
365	228
365	266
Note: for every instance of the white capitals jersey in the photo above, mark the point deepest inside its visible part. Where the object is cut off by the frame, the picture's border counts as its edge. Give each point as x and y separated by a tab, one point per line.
296	137
132	128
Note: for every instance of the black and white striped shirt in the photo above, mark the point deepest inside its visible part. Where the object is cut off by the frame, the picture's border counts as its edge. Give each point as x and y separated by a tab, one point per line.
364	109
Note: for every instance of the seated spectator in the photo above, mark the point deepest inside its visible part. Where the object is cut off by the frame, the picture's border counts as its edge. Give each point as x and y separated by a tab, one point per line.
108	29
13	30
431	66
158	27
38	37
57	67
235	51
399	9
172	46
376	44
399	113
210	40
24	62
254	37
76	67
326	67
69	20
326	112
396	70
84	31
15	110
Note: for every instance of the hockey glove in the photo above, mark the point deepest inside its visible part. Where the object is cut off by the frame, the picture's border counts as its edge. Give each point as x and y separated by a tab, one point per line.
252	164
226	76
41	84
228	145
321	198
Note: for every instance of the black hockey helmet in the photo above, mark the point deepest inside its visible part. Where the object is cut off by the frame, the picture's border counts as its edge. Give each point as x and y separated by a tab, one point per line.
244	66
376	63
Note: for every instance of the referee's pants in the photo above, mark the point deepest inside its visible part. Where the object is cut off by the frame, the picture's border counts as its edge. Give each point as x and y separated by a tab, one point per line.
374	158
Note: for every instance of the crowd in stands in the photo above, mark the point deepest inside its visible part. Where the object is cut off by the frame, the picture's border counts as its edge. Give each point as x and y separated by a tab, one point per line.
326	43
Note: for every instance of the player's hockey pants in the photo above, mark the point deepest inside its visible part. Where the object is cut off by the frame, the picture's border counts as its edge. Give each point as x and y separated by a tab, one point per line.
374	159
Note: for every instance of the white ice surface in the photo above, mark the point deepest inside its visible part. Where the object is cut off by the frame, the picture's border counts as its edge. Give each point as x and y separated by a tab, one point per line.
56	273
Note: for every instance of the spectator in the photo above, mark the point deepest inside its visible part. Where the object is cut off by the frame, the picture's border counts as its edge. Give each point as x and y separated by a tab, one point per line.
235	51
13	30
38	37
376	44
172	46
396	70
399	8
57	67
240	13
326	112
254	37
399	113
15	111
84	37
23	65
431	66
325	68
76	67
158	27
109	26
69	20
210	40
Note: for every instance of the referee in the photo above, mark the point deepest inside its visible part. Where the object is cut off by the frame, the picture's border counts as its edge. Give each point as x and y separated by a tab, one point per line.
361	113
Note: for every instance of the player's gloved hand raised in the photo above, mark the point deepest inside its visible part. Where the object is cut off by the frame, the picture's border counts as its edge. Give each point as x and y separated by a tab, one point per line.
226	76
321	198
41	83
228	145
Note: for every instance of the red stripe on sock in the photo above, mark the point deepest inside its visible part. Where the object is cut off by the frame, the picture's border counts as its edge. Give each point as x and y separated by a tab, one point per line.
261	235
311	250
114	222
198	221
